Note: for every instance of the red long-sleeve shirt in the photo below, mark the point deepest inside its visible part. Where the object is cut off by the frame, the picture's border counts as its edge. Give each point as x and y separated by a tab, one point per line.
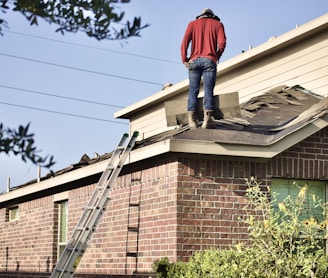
207	37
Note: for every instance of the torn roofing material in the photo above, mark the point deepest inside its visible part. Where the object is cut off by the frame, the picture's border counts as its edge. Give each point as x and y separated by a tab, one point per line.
264	119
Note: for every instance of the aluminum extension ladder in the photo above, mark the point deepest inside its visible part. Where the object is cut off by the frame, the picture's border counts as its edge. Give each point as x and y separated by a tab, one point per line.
76	246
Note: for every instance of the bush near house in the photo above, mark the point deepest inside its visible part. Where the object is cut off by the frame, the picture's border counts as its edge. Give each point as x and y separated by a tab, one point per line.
284	244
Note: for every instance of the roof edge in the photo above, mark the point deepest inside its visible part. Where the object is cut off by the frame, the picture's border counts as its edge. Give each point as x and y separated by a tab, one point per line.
252	151
177	146
50	183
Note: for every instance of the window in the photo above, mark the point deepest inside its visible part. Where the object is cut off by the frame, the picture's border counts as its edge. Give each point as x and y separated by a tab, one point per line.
12	214
309	208
62	225
291	187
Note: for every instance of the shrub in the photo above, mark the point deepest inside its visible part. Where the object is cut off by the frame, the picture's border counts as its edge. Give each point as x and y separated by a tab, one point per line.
282	243
286	245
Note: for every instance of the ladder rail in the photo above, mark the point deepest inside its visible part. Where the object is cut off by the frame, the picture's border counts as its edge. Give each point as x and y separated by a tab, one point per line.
93	212
103	179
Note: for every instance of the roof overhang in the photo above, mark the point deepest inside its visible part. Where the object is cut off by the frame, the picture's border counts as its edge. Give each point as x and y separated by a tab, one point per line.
50	184
227	149
174	146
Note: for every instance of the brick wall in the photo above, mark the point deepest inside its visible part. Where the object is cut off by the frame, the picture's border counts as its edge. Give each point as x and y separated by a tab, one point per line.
210	202
179	205
306	160
211	191
26	243
144	199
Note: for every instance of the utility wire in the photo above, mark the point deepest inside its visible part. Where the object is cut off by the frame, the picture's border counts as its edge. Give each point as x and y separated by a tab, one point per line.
62	113
79	69
58	96
93	47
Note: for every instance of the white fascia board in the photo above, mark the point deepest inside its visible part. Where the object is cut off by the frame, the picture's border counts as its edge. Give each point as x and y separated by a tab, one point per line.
219	149
237	150
149	151
134	156
55	181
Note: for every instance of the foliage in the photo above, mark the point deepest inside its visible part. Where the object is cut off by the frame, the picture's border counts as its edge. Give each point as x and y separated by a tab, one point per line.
21	142
161	267
286	244
95	18
282	244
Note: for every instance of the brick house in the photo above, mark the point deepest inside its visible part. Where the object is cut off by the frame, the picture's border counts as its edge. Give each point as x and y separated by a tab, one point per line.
183	190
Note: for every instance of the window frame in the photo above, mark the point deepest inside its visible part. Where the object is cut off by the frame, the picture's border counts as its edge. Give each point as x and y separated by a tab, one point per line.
9	214
302	182
62	235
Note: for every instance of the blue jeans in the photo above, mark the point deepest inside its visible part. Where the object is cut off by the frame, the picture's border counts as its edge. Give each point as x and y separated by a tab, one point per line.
201	67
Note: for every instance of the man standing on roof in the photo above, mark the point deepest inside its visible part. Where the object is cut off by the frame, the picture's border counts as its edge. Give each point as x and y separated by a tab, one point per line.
208	41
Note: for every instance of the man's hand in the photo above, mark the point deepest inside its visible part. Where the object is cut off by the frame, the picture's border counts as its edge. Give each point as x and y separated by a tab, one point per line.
218	54
186	64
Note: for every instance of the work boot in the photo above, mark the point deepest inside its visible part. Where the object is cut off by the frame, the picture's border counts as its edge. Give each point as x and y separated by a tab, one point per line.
208	120
192	119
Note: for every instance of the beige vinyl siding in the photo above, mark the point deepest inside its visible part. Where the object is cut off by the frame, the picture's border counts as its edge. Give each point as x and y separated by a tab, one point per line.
306	64
152	120
299	57
149	122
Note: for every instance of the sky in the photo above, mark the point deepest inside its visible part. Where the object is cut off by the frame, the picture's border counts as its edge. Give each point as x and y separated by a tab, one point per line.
68	87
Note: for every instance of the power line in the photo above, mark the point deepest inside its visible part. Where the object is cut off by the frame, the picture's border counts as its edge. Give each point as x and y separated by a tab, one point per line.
93	47
58	96
79	69
62	113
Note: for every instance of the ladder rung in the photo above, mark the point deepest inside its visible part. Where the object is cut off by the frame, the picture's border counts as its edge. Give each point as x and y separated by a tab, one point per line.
134	205
82	228
90	208
75	249
133	229
132	254
70	248
63	270
103	187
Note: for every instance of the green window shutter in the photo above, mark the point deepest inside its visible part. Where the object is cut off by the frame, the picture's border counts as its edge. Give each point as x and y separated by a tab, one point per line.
63	221
291	187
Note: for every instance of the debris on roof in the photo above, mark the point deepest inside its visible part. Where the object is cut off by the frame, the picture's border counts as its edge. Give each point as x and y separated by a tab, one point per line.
266	112
84	161
263	119
260	121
